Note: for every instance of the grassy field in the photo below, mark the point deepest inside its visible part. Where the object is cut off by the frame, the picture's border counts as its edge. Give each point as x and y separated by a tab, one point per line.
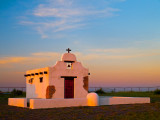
111	112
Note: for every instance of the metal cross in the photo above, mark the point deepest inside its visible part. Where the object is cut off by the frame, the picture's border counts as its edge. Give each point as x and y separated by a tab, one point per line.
68	50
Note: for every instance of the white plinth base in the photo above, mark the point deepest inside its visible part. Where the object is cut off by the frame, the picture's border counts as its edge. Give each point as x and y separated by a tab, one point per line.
90	100
122	100
19	102
55	103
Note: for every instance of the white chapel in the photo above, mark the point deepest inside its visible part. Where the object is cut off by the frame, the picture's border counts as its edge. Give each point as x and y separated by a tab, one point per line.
66	79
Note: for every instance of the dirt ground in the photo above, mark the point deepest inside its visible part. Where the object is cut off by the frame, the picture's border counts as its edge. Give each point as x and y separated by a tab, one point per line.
113	112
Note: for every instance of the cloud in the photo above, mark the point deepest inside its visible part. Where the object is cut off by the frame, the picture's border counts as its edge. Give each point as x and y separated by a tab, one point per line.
56	12
59	15
118	54
6	60
96	54
49	54
34	58
43	35
127	51
102	57
109	50
43	11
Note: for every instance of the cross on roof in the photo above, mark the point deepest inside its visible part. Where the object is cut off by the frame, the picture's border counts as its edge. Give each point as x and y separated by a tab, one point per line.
68	50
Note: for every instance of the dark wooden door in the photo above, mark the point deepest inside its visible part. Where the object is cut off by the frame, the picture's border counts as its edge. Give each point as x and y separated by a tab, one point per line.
69	87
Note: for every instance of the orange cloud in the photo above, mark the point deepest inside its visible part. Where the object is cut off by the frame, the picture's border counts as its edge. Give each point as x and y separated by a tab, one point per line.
118	50
6	60
33	58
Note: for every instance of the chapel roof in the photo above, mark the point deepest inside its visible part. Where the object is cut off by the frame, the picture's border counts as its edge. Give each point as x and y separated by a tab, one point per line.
68	56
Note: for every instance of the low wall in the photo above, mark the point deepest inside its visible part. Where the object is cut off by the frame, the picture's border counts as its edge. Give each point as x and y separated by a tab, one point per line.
123	100
90	100
19	102
53	103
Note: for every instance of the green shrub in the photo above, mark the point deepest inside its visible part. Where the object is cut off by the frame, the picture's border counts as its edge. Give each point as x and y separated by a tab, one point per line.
100	91
16	93
157	91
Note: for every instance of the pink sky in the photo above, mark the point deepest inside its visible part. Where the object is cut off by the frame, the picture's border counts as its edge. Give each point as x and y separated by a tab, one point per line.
127	68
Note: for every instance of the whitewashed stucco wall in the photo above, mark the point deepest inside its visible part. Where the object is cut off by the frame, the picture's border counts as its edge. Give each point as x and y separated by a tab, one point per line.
37	89
60	69
53	78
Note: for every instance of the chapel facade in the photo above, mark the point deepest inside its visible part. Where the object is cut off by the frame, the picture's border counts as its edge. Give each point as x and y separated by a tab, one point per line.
66	79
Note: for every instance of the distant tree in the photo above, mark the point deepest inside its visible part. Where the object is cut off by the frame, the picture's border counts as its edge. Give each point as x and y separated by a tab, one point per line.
16	93
157	91
100	91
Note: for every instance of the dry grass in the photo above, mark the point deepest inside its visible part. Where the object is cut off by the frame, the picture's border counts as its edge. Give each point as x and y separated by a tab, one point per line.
113	112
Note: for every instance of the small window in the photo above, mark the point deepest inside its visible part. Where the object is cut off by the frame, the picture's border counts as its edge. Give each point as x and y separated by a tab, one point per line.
41	79
69	65
30	81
